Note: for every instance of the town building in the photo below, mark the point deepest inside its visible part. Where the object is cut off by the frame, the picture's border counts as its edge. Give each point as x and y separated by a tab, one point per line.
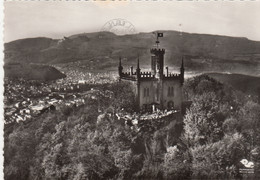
155	89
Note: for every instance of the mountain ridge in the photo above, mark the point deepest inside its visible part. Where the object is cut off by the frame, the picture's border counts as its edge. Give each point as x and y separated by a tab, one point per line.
201	51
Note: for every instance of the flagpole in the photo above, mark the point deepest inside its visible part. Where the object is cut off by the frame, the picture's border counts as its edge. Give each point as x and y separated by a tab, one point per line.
157	41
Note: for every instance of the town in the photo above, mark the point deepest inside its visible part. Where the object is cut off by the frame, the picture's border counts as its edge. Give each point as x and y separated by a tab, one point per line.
24	99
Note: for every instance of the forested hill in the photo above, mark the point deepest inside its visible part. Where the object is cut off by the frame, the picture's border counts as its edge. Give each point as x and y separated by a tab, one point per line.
32	72
219	129
106	47
247	84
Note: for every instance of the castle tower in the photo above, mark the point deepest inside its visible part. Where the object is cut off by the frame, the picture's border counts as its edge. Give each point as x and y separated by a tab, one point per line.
157	59
154	89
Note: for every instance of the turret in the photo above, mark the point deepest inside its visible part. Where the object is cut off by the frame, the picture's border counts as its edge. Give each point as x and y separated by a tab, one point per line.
167	71
138	70
131	70
182	72
120	68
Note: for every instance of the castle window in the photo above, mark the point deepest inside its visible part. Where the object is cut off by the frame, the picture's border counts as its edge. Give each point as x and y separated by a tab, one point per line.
157	93
170	105
146	92
170	91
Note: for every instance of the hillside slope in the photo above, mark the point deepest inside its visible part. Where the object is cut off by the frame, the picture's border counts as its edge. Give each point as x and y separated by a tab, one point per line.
32	72
244	83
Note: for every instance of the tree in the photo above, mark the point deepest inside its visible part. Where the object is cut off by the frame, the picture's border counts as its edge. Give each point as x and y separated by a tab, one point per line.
203	121
177	164
249	118
19	153
124	96
201	84
220	159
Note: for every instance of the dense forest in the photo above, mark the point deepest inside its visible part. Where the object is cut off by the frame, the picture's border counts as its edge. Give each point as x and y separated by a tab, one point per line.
220	128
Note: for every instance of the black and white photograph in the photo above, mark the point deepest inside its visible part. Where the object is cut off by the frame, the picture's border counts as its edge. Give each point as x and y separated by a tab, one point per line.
131	90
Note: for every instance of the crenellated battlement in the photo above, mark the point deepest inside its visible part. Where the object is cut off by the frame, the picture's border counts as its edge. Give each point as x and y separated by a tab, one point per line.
172	75
134	74
145	73
127	76
149	75
129	73
157	50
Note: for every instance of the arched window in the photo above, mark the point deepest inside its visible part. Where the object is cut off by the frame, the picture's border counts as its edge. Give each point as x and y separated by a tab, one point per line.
144	107
170	105
157	93
146	92
170	91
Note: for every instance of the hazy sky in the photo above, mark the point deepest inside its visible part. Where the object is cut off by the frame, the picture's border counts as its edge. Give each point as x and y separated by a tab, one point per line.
57	19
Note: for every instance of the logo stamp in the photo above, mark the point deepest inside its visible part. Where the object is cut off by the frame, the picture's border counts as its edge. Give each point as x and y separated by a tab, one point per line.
119	27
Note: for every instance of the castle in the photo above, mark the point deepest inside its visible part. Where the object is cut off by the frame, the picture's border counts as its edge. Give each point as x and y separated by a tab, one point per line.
155	89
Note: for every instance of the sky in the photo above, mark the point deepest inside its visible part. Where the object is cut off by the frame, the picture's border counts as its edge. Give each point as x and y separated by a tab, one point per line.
56	19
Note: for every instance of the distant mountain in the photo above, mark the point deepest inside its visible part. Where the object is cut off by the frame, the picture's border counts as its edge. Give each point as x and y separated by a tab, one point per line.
32	72
102	50
244	83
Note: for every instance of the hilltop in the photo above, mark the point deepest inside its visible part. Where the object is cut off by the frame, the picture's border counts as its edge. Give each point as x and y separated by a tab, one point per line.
101	50
32	72
247	84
